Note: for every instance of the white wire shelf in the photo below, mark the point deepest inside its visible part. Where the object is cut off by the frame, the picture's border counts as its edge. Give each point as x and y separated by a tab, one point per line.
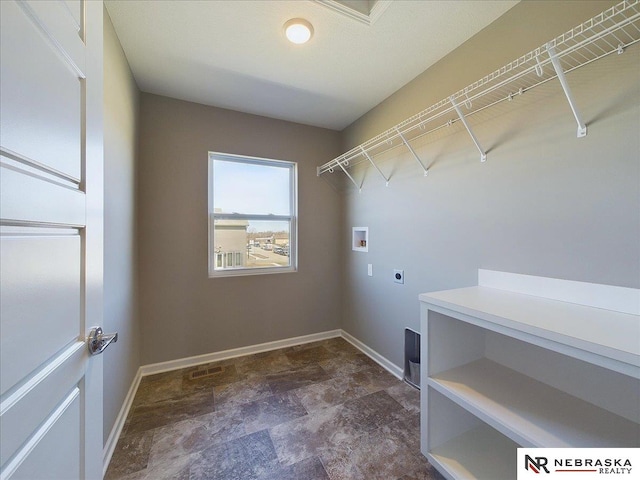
611	31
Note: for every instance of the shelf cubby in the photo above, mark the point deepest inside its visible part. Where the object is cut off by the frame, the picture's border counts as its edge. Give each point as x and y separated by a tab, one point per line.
462	446
530	412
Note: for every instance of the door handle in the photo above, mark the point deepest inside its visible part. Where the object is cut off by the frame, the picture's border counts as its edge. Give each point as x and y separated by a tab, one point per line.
98	341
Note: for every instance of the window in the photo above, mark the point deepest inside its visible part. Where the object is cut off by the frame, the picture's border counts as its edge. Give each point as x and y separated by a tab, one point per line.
252	215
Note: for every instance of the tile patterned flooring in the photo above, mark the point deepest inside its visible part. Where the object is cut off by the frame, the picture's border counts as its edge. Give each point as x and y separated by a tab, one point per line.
321	410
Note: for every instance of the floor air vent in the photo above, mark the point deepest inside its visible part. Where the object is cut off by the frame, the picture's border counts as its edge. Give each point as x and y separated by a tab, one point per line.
412	357
206	372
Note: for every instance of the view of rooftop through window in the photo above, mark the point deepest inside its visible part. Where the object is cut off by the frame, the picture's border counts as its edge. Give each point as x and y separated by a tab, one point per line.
252	215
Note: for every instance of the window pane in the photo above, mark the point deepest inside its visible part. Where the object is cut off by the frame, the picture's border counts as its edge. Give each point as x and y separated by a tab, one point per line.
252	244
251	188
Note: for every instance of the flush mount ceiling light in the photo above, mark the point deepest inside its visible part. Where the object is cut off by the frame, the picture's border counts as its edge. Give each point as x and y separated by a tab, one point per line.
298	30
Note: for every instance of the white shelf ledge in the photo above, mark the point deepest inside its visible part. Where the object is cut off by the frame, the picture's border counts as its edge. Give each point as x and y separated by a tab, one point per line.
602	337
481	453
531	413
608	297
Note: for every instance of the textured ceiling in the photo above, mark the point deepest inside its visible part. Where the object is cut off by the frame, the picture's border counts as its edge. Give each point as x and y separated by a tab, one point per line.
233	54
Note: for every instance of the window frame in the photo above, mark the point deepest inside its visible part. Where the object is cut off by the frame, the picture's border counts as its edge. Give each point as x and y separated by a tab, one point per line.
292	218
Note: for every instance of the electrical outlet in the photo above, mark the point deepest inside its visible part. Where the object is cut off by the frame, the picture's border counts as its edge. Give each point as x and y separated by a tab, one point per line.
398	276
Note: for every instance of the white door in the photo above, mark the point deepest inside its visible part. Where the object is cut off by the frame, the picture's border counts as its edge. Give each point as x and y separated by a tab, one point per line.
50	238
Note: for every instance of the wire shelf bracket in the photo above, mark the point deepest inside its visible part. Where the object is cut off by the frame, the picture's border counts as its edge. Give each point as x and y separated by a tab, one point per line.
582	127
364	152
346	163
413	152
483	154
611	31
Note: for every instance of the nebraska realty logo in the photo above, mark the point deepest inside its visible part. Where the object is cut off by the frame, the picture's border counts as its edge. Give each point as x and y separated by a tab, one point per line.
581	463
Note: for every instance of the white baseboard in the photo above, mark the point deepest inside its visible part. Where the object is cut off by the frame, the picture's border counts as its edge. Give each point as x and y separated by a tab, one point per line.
235	352
110	446
375	356
154	368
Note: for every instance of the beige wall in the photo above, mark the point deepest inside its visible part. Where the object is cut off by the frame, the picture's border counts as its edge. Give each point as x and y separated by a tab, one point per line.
121	98
184	312
528	25
545	202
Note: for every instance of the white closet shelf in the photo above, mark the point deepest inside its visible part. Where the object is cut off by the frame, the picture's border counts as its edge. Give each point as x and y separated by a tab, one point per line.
530	412
602	337
478	453
609	32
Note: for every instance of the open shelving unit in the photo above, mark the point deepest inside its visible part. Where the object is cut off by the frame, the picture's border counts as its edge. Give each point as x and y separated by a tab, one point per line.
504	369
612	31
